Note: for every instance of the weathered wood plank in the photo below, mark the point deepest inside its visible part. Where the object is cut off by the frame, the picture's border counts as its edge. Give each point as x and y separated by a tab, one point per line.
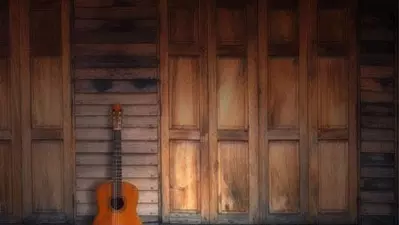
377	172
115	61
108	37
379	34
107	146
378	146
116	86
377	209
105	172
377	197
377	47
369	96
378	122
376	59
116	73
377	84
128	110
99	134
377	184
106	159
107	99
377	159
143	184
377	220
377	134
106	122
114	25
116	13
377	109
114	49
376	71
114	3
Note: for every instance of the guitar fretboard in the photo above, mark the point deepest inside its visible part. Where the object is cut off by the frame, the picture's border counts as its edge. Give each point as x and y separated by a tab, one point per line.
117	164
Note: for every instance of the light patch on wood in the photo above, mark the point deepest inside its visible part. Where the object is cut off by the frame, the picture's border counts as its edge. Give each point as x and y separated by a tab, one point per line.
105	110
5	178
283	94
184	92
121	98
106	121
135	134
333	93
233	177
231	27
46	92
127	172
232	94
184	175
47	176
127	159
284	176
283	26
5	113
107	147
333	176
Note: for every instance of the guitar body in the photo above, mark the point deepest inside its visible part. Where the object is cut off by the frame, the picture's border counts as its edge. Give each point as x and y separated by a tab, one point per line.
123	212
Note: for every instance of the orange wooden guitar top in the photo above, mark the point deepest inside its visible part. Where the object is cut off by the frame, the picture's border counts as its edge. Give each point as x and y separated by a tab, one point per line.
127	215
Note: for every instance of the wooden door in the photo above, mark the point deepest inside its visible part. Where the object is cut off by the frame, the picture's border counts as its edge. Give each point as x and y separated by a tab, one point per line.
47	171
209	111
233	111
10	136
332	112
184	115
287	66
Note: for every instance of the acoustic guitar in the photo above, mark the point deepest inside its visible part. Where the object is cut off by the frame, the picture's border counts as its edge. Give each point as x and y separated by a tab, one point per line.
117	200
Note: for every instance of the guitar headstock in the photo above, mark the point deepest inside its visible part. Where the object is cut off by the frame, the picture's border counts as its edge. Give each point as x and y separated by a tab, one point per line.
116	117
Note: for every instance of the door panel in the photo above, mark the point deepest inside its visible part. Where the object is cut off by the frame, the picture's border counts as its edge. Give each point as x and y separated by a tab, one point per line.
233	111
184	113
332	115
46	112
10	137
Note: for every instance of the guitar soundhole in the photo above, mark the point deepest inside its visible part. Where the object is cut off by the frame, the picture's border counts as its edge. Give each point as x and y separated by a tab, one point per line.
117	203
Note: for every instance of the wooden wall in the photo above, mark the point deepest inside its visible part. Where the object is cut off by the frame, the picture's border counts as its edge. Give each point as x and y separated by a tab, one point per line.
114	50
378	109
35	119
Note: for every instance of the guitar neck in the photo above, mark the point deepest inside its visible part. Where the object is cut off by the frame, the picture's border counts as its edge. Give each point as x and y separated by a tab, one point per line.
117	162
117	151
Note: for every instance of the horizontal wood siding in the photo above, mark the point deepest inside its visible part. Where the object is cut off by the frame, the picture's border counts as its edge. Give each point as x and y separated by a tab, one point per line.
115	61
377	40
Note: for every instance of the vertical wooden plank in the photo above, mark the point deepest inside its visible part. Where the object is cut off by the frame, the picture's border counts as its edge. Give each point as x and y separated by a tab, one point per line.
16	107
253	114
68	146
25	108
353	110
312	114
204	112
263	109
164	75
305	44
212	86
